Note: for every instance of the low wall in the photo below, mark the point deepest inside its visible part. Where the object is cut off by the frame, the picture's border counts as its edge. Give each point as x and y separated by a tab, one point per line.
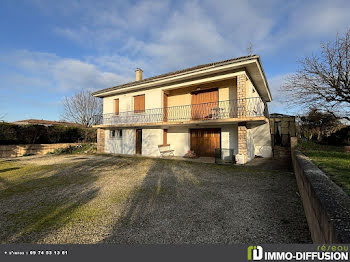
38	149
326	206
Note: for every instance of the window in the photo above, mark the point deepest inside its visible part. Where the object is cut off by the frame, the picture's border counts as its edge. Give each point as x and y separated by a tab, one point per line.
116	109
139	104
112	133
116	133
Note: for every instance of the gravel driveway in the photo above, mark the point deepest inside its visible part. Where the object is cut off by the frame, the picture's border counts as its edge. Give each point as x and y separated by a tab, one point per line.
101	198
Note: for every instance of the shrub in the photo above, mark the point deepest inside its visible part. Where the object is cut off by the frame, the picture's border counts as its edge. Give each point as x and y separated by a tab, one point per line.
37	134
78	149
339	138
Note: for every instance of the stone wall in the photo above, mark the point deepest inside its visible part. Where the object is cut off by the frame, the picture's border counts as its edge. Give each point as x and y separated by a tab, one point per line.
242	156
100	140
241	94
326	206
37	149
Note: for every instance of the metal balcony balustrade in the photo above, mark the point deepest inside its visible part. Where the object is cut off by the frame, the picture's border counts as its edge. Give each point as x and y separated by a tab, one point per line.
240	108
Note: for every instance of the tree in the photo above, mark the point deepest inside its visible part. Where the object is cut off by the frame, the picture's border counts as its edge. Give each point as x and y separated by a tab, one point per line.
323	81
317	124
81	108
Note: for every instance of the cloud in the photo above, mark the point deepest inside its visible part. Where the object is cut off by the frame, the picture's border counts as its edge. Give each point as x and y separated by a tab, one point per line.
164	36
49	71
275	83
188	34
319	18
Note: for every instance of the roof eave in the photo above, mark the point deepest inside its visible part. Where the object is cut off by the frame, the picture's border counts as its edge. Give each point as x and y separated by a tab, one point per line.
240	63
265	79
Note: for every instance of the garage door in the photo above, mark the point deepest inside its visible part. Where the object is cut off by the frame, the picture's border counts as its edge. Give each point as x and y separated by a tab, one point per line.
204	141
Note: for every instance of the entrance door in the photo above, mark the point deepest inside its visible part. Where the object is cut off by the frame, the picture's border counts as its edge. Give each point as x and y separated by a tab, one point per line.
204	104
204	141
138	141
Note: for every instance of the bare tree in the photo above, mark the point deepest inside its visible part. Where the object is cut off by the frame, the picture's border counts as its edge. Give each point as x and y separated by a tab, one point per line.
323	81
81	108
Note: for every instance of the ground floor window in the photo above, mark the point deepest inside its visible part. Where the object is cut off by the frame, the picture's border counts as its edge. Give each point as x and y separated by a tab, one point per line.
116	133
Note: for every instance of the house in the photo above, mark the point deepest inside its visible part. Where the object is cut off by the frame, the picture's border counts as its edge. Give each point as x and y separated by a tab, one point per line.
42	122
216	105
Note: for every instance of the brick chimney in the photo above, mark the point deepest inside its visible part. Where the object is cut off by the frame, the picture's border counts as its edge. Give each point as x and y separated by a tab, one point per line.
138	74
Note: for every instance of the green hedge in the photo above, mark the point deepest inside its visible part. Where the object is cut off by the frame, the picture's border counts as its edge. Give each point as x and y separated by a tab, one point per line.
37	134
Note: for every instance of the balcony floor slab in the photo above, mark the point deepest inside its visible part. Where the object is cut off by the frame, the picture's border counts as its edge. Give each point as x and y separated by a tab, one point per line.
252	120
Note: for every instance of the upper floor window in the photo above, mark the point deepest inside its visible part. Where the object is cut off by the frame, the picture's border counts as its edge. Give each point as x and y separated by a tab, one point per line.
139	104
116	106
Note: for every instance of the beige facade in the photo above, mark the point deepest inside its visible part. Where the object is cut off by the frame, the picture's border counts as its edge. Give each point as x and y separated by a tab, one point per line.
239	112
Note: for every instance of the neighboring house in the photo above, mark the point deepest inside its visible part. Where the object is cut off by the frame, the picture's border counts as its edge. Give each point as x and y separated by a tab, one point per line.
216	105
44	122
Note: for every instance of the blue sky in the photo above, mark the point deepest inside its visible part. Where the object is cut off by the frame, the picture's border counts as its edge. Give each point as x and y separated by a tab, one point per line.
51	49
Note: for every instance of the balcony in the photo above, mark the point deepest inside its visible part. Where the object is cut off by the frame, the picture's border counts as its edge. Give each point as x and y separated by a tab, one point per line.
223	111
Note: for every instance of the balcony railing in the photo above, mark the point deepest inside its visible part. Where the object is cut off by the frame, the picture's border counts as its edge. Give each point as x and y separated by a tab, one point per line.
240	108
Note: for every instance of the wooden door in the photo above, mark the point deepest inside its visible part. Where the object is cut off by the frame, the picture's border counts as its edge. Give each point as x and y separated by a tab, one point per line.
165	107
138	141
139	104
204	141
204	103
116	108
165	136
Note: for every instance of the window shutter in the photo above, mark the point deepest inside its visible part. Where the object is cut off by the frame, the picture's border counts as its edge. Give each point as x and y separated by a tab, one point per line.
116	109
139	104
165	136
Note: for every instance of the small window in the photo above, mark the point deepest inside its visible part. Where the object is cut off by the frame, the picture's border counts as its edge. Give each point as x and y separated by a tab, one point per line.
116	133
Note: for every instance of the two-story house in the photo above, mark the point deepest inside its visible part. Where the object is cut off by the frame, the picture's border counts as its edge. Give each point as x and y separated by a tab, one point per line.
219	105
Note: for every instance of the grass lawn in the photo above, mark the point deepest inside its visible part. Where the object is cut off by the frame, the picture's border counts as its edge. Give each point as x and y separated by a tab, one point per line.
130	200
331	159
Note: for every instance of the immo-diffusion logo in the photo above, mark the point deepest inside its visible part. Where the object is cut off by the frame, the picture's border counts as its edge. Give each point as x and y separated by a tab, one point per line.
255	253
330	253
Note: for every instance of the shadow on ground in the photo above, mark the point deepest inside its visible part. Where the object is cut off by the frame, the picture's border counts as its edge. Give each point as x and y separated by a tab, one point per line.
180	202
42	203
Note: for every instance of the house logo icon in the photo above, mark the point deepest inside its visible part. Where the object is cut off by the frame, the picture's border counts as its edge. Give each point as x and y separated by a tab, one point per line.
255	253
